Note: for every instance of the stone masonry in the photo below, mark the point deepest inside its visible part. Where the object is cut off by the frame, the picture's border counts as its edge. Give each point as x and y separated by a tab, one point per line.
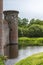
8	32
11	48
1	22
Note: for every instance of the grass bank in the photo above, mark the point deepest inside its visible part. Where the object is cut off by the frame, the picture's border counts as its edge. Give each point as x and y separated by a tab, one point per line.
24	41
36	59
2	59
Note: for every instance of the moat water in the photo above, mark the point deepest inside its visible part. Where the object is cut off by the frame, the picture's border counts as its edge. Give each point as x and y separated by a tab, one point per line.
25	52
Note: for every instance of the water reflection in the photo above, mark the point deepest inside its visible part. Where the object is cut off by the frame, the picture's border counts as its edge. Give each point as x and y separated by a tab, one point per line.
25	52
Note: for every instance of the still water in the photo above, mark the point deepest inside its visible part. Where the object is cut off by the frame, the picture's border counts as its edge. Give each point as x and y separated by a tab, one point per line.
25	52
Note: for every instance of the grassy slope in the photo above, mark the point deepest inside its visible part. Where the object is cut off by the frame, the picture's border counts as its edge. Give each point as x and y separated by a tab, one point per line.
36	59
1	61
25	41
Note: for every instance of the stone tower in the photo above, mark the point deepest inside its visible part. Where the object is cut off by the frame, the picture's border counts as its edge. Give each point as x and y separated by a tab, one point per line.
1	21
11	48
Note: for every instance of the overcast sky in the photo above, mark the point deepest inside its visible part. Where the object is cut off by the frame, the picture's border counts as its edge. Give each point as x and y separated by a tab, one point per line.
27	8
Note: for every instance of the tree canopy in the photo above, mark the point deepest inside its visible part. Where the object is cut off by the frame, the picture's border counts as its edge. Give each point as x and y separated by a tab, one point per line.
32	29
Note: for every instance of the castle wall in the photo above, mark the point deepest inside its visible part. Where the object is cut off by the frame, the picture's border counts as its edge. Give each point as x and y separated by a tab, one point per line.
1	22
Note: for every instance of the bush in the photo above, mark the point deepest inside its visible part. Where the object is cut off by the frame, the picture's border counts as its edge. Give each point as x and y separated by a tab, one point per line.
20	32
25	32
35	31
2	59
25	41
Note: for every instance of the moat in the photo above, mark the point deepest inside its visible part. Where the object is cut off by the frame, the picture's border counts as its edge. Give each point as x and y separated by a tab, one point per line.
25	52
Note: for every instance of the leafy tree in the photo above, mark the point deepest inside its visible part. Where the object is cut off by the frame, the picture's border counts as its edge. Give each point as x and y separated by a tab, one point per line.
25	32
19	22
37	21
35	31
24	22
40	22
32	21
20	32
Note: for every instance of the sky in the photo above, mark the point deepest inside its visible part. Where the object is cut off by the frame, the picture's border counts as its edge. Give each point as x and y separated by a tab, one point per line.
27	8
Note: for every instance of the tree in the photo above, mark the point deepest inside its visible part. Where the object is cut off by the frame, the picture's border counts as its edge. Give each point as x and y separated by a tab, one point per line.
32	21
24	22
35	31
20	32
37	21
19	22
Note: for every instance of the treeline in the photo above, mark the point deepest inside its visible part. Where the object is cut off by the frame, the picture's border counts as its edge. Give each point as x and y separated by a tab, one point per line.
32	28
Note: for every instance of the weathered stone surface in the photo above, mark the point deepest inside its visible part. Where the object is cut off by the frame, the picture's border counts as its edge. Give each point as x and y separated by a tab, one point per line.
5	33
1	9
12	51
1	21
12	19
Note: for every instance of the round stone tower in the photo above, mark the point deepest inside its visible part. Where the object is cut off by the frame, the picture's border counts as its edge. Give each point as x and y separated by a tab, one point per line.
11	48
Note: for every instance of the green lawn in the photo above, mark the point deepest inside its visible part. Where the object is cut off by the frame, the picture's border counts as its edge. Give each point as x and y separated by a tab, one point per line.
25	41
36	59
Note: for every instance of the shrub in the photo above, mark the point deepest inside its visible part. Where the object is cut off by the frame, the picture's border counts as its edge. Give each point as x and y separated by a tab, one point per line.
35	31
2	59
20	32
25	41
25	32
